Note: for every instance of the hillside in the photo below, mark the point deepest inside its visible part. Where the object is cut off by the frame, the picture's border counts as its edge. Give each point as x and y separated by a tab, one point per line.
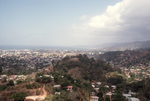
126	46
74	78
127	58
86	71
83	67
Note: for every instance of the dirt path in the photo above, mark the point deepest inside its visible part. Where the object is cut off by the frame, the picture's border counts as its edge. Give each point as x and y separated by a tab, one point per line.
39	97
44	91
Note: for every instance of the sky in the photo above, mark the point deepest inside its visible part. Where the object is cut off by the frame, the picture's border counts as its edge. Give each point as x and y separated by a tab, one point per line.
73	22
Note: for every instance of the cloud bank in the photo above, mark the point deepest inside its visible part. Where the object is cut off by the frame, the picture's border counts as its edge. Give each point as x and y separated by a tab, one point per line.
125	21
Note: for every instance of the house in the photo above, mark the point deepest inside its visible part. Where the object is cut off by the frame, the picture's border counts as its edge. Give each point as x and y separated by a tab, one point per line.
98	83
69	88
113	87
93	85
2	76
47	75
96	89
127	95
109	93
23	77
133	99
57	86
132	93
93	94
94	98
57	93
12	77
52	77
106	86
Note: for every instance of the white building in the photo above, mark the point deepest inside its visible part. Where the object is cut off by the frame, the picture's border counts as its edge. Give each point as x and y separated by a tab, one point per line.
94	98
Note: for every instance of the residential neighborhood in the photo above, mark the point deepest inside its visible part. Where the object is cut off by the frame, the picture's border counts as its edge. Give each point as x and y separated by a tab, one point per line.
51	75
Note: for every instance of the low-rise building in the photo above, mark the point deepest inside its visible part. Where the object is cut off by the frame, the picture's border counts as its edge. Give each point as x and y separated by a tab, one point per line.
94	98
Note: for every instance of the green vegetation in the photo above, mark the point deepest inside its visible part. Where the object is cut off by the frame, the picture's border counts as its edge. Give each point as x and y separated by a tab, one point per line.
77	73
20	81
67	73
20	96
43	79
93	69
118	97
116	79
33	85
142	88
4	80
1	69
102	93
127	58
3	87
10	83
66	96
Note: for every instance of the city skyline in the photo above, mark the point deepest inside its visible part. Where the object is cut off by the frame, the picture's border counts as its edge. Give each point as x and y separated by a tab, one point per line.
73	22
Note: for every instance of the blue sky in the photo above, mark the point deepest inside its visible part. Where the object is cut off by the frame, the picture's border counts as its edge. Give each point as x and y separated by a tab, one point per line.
71	22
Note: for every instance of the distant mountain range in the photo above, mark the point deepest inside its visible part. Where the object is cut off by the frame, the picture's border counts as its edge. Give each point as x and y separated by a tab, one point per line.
126	46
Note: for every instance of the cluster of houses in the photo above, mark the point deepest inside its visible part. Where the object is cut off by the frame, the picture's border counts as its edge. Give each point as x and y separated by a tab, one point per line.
140	72
130	96
15	78
58	88
97	85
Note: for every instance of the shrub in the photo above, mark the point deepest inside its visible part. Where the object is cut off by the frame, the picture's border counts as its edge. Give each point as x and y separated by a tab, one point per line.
2	87
19	96
10	83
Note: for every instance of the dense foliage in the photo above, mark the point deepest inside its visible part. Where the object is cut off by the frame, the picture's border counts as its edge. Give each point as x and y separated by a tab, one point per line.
142	88
127	58
91	69
10	83
33	85
20	96
79	72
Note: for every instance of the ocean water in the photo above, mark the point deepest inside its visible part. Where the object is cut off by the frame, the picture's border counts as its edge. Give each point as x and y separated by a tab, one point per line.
34	47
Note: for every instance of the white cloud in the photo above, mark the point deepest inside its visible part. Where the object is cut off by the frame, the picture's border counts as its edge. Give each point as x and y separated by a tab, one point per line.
128	20
83	17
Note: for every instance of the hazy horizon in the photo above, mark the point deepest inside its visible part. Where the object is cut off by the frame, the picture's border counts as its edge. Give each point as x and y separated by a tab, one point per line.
100	46
70	23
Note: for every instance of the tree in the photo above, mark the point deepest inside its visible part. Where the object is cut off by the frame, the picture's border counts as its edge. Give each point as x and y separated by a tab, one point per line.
65	83
78	82
1	69
2	87
102	93
28	86
19	96
115	80
4	79
10	83
43	79
56	78
39	74
118	97
33	85
19	81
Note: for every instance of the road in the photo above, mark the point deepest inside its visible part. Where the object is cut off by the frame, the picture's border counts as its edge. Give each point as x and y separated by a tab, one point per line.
39	97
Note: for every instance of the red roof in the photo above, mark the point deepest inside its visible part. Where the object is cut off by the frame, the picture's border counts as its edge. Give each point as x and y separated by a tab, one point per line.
69	86
94	97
